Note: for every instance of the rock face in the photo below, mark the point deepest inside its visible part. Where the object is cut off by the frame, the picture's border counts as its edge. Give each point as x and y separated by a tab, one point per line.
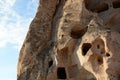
72	40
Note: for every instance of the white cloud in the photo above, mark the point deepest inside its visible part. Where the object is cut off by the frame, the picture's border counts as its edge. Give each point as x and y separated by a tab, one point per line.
10	2
13	27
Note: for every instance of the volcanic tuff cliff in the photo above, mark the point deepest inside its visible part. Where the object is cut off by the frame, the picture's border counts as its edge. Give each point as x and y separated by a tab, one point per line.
72	40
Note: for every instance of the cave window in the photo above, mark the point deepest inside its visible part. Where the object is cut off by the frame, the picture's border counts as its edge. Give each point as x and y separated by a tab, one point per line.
85	48
107	54
116	4
61	73
50	63
98	46
102	8
76	33
96	6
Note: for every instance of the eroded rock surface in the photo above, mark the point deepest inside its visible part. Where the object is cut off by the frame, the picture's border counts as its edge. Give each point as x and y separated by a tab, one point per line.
72	40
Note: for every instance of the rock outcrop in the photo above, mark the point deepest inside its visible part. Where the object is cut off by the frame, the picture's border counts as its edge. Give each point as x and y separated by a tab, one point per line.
72	40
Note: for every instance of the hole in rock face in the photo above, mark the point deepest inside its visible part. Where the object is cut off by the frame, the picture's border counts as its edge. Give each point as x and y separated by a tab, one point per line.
85	48
107	54
61	73
98	46
116	4
50	63
96	5
62	35
102	8
78	33
100	60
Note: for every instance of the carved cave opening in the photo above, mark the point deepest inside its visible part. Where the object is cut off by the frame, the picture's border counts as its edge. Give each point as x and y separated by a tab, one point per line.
96	5
61	73
85	48
50	63
78	33
107	54
98	46
102	8
116	4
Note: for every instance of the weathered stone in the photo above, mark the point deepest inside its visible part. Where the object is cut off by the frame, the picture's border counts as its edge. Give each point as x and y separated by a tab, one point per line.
72	40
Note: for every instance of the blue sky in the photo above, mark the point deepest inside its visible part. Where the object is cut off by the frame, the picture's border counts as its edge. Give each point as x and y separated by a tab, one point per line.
15	18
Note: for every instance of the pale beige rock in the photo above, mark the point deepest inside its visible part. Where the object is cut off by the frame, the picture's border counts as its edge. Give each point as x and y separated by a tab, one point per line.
99	49
72	40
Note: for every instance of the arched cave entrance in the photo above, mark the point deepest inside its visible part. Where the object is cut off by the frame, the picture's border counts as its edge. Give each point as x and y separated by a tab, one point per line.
61	73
